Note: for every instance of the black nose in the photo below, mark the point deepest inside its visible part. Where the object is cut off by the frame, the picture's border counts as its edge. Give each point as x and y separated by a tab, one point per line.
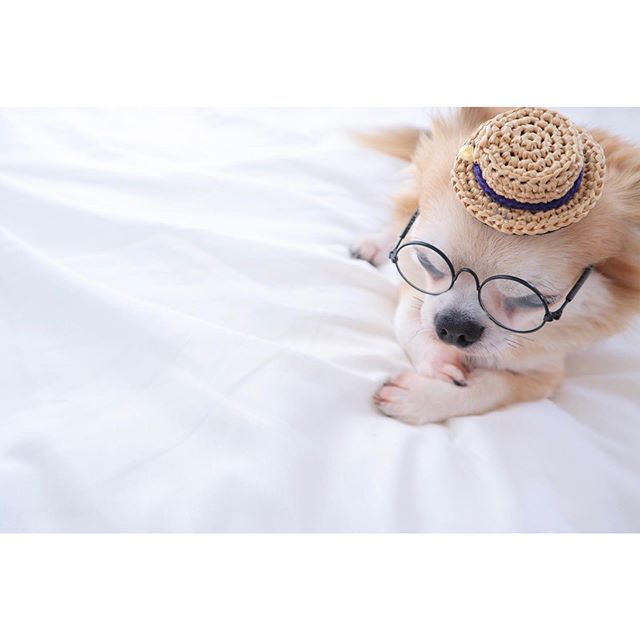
455	328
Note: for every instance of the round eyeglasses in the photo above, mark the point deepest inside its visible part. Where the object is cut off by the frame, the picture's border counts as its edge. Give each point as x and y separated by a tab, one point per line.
510	302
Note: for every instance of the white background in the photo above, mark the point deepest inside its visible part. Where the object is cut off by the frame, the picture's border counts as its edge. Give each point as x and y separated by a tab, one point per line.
189	347
345	53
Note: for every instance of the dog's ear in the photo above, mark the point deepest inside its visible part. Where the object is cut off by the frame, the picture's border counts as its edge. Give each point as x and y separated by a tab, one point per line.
403	142
622	182
472	117
400	142
619	219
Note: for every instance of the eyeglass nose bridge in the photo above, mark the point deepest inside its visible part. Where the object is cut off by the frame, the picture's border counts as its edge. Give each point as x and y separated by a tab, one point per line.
470	271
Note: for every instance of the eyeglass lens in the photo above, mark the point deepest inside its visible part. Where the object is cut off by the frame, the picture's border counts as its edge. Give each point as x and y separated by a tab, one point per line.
508	302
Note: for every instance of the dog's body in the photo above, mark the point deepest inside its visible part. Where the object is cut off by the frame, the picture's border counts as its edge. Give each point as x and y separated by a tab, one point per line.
502	367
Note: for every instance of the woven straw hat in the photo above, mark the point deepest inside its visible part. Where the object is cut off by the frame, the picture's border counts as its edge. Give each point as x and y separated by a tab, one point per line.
529	171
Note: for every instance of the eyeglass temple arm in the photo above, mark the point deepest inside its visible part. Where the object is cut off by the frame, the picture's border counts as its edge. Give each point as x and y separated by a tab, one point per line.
556	315
392	253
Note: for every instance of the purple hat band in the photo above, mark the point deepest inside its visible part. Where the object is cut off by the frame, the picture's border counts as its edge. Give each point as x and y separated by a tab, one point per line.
526	206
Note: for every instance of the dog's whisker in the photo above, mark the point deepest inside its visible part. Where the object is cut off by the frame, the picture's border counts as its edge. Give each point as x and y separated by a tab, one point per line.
418	332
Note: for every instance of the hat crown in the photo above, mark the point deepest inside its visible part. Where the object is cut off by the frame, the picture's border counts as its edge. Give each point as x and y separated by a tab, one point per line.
530	155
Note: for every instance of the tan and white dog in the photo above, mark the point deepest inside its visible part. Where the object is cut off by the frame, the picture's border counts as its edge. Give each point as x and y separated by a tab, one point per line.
488	366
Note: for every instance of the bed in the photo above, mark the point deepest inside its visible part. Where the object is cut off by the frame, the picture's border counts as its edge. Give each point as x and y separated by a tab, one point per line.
186	345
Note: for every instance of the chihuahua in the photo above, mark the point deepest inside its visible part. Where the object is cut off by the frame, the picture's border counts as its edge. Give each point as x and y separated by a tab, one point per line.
474	344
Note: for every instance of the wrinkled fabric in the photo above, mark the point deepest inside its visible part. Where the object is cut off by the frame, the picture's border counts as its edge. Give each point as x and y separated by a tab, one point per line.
187	346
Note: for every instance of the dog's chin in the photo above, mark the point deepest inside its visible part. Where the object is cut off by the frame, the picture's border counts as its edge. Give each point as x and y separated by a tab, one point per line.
485	353
473	351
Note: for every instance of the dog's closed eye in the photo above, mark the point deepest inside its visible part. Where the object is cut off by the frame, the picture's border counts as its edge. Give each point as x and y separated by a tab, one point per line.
429	266
517	303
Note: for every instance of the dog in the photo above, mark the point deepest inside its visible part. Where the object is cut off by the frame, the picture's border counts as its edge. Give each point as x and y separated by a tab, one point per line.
463	363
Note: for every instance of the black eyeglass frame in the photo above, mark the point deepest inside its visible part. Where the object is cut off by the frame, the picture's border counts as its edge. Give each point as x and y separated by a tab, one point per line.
549	316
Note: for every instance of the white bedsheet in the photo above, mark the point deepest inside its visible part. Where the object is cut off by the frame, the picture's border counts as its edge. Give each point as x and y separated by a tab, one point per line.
186	346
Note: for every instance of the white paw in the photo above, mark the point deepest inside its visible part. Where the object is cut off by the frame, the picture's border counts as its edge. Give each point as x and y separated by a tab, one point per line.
413	398
455	373
374	248
435	360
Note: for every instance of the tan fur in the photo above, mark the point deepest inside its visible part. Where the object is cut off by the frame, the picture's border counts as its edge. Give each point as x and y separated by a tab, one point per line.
512	367
400	142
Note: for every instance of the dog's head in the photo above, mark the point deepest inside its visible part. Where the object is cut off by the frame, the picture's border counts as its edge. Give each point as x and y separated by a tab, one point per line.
606	238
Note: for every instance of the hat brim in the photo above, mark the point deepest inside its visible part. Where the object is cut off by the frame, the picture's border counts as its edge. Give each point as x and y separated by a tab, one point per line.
521	222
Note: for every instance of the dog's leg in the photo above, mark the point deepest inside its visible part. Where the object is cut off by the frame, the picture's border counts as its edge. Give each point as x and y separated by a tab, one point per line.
416	399
375	248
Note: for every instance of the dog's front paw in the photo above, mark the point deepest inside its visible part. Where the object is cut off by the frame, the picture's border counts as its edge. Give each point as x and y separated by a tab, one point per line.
374	248
456	373
413	398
